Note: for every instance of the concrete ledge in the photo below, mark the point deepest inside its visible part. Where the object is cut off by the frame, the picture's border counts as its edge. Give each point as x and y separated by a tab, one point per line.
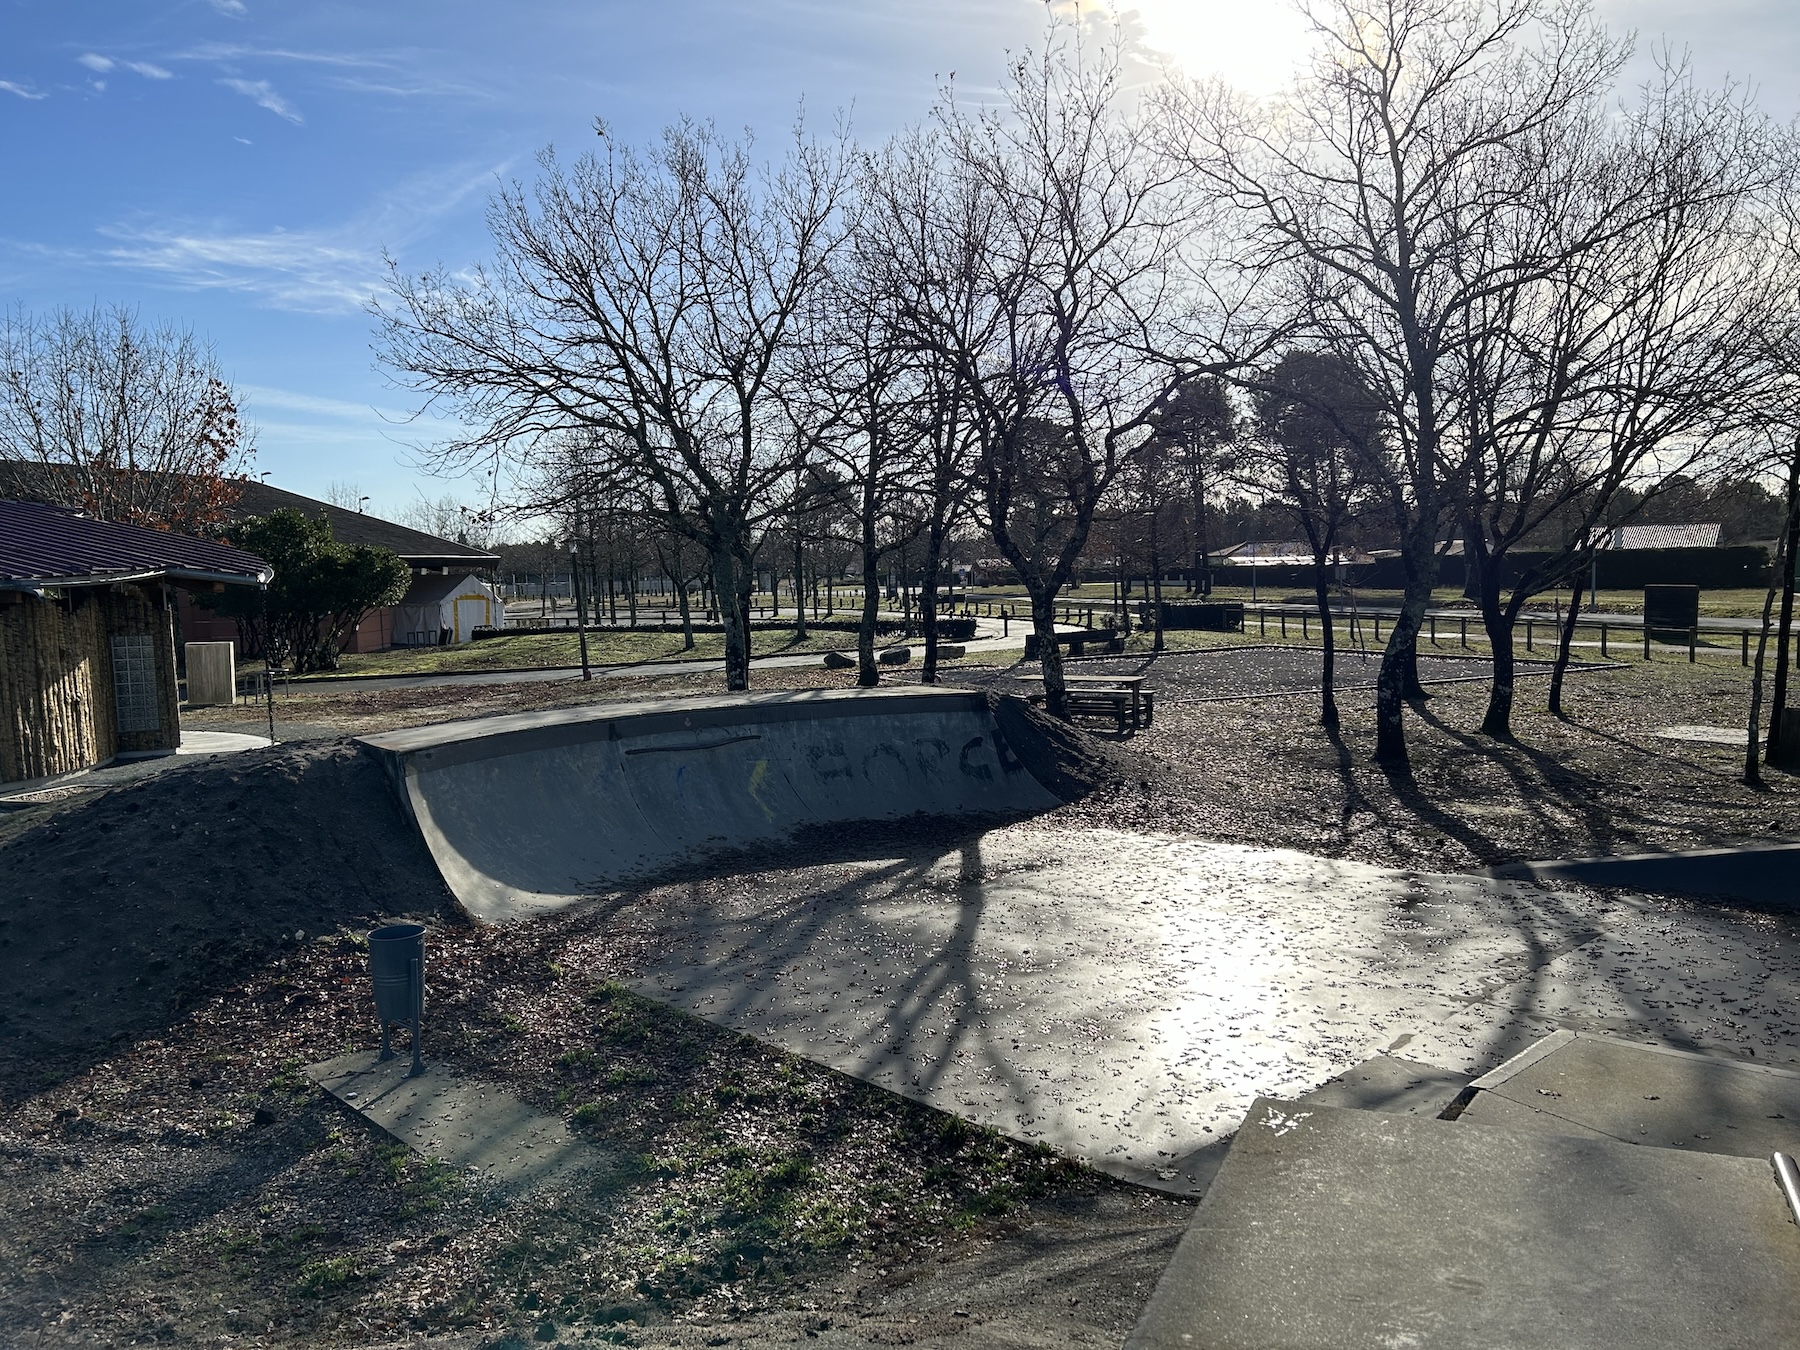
1768	875
497	1139
1333	1229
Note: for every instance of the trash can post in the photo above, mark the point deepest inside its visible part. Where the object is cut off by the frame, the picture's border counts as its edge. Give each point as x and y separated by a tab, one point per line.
397	972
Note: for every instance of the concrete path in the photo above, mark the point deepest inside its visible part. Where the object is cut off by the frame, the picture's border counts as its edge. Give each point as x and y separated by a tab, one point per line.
497	1139
1123	998
1340	1230
127	770
646	669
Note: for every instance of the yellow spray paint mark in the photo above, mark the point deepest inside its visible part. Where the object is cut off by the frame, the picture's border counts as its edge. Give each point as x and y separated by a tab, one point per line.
757	776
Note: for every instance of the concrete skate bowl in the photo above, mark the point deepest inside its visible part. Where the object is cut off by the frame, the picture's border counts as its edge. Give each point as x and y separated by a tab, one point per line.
530	812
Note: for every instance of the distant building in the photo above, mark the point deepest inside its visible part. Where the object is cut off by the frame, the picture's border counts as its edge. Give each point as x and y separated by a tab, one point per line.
1664	536
1281	553
87	642
432	559
426	554
446	609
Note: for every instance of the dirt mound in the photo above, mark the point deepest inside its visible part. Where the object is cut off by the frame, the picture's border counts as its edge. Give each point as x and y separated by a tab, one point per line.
124	911
1066	760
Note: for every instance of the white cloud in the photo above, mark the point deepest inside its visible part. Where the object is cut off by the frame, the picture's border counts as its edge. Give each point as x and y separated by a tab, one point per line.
233	8
101	64
262	396
311	271
329	270
263	94
237	51
9	87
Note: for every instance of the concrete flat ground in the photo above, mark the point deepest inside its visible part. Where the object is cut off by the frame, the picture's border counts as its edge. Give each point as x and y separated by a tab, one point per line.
1124	997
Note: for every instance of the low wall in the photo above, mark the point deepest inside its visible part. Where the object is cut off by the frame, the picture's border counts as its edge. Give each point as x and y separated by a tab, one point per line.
529	812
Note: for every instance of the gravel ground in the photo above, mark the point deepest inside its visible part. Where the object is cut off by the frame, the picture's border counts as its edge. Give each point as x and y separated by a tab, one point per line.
166	1175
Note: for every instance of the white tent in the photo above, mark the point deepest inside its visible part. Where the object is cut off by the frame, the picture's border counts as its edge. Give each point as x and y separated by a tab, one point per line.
446	609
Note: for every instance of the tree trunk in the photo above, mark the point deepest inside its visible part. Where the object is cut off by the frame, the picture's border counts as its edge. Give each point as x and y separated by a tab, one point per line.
1156	600
1328	709
1497	620
687	614
1753	747
1043	621
1785	630
1399	674
928	600
799	589
729	594
868	674
1566	639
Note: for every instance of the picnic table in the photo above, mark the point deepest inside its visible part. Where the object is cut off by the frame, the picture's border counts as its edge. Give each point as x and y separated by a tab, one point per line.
1122	697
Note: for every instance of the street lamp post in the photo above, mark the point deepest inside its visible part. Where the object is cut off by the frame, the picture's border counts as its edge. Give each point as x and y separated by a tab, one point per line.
580	605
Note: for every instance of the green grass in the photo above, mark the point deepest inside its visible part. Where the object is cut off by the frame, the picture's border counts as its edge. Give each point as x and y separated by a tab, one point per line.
605	648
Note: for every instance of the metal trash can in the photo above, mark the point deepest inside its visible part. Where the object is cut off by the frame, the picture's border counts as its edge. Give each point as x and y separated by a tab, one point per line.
397	969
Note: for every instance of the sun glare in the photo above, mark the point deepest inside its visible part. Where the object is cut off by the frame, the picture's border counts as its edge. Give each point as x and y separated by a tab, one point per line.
1255	44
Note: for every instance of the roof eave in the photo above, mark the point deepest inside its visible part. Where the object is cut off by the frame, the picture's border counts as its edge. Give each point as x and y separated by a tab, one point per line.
258	579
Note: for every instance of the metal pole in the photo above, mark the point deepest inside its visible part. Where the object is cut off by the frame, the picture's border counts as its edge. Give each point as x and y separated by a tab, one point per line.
1789	1178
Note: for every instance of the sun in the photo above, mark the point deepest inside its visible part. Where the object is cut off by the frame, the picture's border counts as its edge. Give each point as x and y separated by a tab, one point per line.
1254	44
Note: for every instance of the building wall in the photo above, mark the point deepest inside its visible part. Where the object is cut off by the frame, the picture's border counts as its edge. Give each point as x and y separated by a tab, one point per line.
375	633
58	711
199	624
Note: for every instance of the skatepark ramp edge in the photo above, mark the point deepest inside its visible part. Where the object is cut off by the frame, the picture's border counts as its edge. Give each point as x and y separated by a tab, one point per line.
529	812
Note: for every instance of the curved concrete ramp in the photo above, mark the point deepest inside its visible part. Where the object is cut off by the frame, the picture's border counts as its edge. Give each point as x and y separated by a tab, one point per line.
531	811
1763	875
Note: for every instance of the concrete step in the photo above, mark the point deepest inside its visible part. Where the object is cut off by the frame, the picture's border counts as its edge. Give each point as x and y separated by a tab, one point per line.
1329	1227
1608	1087
502	1143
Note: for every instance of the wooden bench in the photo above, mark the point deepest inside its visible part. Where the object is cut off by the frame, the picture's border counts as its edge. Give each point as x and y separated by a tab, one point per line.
1076	644
1122	698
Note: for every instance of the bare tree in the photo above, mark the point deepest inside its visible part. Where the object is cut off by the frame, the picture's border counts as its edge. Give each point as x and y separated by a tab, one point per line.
1317	454
648	302
1416	133
1627	363
1057	305
126	420
902	241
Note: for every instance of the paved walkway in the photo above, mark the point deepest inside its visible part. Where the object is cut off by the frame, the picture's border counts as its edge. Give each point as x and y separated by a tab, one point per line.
1124	998
646	669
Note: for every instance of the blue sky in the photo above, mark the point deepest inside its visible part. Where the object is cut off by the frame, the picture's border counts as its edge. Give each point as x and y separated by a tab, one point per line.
240	165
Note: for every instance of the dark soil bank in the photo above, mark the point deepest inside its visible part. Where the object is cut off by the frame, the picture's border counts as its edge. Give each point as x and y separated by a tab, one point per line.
122	912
